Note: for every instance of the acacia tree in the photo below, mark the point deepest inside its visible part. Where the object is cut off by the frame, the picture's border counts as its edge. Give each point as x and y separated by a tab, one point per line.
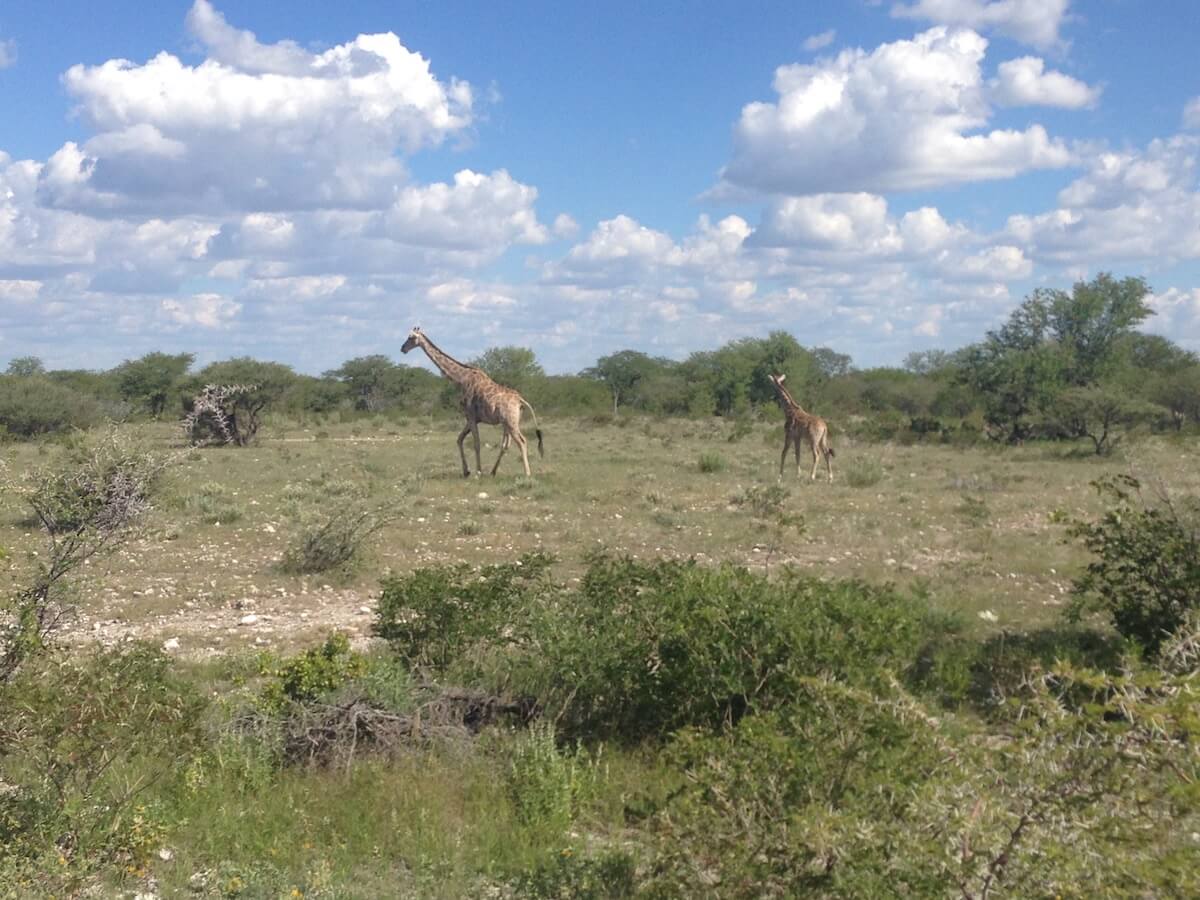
152	379
375	382
25	367
623	371
1052	341
514	367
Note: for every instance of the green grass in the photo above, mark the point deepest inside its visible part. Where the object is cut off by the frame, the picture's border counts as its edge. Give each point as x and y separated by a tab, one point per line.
591	490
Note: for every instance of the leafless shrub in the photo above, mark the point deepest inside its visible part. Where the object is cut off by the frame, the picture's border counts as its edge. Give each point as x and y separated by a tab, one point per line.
85	508
227	413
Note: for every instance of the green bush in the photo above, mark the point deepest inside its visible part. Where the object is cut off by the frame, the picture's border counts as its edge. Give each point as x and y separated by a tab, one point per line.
434	616
32	406
313	673
546	785
1146	574
83	741
864	793
641	649
711	463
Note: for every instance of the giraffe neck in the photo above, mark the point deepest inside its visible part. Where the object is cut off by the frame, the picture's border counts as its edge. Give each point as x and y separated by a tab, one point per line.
449	366
785	399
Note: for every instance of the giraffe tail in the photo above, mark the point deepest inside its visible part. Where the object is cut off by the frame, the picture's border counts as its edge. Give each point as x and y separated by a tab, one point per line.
536	429
828	448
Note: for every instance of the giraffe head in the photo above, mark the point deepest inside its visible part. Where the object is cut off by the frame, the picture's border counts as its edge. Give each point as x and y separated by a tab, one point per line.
414	339
777	380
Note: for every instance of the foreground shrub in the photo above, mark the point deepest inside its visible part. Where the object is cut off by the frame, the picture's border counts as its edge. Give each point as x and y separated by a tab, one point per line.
640	649
83	743
434	616
1146	574
86	505
34	406
313	673
546	784
857	793
711	463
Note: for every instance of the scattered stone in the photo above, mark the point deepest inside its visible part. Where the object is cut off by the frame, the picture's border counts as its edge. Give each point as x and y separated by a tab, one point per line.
248	620
170	644
988	616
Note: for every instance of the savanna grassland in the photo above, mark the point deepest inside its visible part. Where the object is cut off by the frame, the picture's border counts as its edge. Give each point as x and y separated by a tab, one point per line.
863	688
973	527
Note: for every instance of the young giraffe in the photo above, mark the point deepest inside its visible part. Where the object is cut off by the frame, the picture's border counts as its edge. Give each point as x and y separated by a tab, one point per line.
797	424
483	401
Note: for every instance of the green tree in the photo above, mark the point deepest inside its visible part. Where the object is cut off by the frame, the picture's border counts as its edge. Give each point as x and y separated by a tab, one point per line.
25	367
514	367
375	382
1097	412
623	371
1090	322
266	383
1179	392
152	379
1052	341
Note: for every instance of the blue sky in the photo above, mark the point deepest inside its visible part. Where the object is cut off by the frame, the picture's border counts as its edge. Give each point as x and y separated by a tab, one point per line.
305	182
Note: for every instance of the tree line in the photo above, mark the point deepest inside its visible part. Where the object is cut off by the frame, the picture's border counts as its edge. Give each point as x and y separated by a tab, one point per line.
1066	364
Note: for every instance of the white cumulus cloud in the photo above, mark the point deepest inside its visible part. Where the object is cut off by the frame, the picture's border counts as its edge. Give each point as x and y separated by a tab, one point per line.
1035	22
1191	113
203	310
253	126
907	115
1025	82
820	41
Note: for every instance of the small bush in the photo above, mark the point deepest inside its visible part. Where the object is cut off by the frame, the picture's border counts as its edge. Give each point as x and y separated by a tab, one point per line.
607	876
1146	574
545	784
711	463
334	542
863	471
763	500
313	673
213	504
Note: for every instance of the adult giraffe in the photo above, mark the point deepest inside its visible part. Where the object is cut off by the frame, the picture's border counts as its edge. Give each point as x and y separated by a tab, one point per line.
483	401
799	424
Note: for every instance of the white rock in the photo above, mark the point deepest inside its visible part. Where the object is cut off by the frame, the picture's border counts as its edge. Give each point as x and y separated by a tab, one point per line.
269	529
365	610
165	854
171	644
248	620
988	616
482	495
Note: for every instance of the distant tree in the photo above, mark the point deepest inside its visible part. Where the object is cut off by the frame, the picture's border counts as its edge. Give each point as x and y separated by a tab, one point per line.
265	384
152	380
25	367
623	371
929	362
1097	412
34	405
1052	341
514	367
375	382
1179	392
830	363
1091	321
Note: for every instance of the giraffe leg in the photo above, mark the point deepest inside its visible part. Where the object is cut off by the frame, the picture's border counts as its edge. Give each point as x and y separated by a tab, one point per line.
462	436
478	459
828	457
503	447
796	448
787	444
816	455
524	445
